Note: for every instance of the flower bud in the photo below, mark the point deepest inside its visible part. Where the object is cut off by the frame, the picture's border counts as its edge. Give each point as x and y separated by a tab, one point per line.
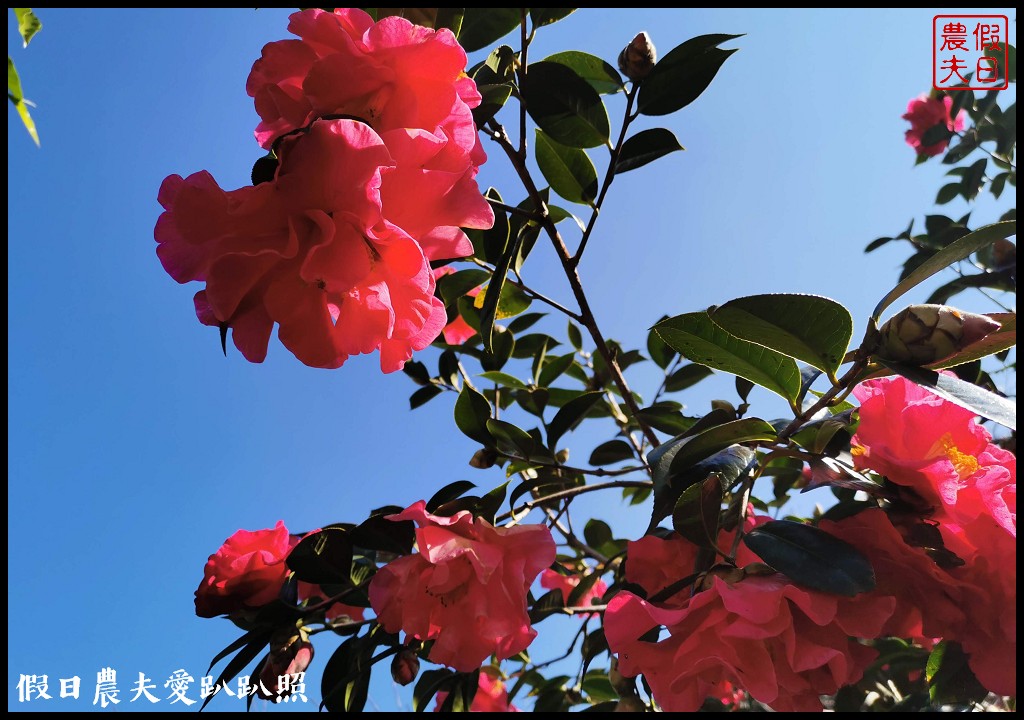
290	654
637	59
405	667
923	334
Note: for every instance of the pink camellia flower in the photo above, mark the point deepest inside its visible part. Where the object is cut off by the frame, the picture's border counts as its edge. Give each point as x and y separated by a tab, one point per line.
246	573
925	443
408	83
491	695
458	330
925	112
466	587
551	580
781	643
308	250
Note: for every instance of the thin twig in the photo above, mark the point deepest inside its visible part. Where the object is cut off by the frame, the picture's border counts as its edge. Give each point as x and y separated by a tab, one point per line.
534	294
572	492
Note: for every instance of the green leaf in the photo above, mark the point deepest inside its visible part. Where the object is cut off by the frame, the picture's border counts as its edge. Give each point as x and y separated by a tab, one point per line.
346	680
423	395
511	440
680	77
564	105
729	464
455	285
14	94
666	418
952	253
697	338
545	16
718	438
490	245
472	412
430	682
695	515
554	367
965	394
570	415
611	452
644	147
489	308
524	322
599	74
483	26
814	329
660	353
1004	281
28	24
947	193
687	376
451	491
504	379
450	18
503	343
494	97
245	656
950	678
575	338
569	171
379	533
811	557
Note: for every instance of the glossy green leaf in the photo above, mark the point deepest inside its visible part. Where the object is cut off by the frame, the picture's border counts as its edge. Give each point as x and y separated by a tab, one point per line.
570	415
564	105
697	338
511	440
950	678
812	557
611	452
472	412
545	16
599	74
504	379
687	376
494	96
717	438
959	392
644	147
14	94
483	26
683	74
814	329
695	515
952	253
455	285
28	24
554	367
450	18
569	171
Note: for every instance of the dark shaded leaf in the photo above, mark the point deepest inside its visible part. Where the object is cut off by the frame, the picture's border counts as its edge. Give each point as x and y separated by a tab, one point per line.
568	170
811	557
718	438
695	515
324	556
950	679
471	414
483	26
564	105
423	396
644	147
683	74
238	663
570	415
687	376
611	452
599	74
379	533
545	16
449	492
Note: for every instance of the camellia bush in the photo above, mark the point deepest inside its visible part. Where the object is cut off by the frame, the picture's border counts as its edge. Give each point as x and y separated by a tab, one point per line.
366	230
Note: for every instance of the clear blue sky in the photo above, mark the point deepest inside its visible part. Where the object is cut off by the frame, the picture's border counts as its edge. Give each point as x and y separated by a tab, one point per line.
135	448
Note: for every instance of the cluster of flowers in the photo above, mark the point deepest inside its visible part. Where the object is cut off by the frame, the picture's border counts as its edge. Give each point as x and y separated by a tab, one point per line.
786	645
749	630
371	176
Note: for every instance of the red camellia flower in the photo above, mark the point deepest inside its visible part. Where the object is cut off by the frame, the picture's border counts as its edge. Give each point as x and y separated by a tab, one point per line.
466	587
936	448
309	250
924	113
408	83
781	643
246	573
491	695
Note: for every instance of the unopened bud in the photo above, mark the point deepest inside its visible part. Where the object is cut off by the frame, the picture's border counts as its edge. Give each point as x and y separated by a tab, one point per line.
637	59
290	654
405	667
923	334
